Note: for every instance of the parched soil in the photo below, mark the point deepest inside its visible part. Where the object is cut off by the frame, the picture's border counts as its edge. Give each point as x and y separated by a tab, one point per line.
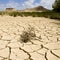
46	46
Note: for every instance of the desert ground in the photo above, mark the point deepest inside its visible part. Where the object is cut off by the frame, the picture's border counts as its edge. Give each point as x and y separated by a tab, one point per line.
45	46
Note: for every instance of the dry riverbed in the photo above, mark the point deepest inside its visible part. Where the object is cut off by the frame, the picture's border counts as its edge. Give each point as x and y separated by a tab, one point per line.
47	47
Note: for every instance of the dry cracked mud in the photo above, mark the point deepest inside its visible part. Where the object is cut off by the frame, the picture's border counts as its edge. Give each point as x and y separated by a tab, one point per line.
46	46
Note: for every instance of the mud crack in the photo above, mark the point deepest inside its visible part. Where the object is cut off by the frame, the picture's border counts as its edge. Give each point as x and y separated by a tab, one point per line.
55	54
9	53
46	56
26	53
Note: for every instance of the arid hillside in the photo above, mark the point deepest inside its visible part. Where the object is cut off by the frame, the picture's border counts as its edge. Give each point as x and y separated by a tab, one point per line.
35	9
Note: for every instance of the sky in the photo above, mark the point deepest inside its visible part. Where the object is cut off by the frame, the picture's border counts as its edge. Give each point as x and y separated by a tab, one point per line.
23	4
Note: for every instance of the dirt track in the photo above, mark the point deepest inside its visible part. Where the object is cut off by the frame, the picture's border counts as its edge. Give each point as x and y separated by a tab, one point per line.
46	48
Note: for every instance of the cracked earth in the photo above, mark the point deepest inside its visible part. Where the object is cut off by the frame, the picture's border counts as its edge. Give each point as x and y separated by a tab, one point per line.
46	46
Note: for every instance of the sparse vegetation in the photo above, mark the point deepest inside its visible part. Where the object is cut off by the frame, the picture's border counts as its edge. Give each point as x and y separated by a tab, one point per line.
47	14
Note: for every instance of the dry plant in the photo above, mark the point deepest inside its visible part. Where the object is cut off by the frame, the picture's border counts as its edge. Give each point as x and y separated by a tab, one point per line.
28	35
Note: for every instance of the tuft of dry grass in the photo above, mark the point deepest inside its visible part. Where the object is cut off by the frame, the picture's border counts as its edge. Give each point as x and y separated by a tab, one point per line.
28	35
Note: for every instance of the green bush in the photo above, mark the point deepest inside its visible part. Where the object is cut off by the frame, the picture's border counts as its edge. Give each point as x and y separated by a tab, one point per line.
56	6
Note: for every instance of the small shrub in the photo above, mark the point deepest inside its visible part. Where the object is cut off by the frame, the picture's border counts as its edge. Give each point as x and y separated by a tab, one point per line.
28	35
25	37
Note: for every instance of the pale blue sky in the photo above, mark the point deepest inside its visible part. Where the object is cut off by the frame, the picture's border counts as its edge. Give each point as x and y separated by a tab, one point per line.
22	4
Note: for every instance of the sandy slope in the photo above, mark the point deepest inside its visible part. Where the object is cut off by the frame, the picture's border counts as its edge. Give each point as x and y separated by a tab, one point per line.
46	48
